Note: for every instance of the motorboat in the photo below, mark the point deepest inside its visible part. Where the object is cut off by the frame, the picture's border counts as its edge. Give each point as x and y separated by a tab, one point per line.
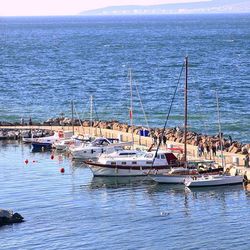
74	141
99	146
133	163
213	180
28	136
45	143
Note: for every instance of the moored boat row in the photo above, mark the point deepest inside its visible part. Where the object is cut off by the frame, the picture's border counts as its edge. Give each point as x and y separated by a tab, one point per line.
110	157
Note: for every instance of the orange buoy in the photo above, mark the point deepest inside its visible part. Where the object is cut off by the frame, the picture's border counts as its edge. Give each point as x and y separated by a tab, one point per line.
52	157
26	161
62	170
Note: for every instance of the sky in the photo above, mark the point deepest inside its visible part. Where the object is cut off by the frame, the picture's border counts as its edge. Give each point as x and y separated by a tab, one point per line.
68	7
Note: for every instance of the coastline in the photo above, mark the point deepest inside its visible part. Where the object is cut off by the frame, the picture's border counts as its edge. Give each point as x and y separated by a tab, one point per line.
234	152
172	134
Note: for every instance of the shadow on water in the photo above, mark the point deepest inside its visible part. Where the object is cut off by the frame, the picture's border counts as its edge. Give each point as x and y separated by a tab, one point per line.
118	182
158	188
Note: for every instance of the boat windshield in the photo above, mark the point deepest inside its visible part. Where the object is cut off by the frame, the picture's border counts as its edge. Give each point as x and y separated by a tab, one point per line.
149	155
100	142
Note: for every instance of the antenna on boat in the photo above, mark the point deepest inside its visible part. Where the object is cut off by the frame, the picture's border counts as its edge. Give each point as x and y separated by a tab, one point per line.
72	116
185	108
219	124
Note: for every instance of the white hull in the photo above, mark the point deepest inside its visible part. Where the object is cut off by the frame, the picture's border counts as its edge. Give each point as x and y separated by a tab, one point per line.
28	140
218	180
171	179
106	171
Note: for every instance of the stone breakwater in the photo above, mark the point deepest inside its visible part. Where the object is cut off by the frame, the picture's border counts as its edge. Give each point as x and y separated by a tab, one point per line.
171	134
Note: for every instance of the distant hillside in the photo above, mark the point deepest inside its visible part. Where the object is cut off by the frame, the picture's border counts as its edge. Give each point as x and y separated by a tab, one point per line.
214	6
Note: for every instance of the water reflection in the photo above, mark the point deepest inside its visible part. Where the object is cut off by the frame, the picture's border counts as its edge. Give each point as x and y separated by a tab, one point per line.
157	188
216	190
77	164
117	182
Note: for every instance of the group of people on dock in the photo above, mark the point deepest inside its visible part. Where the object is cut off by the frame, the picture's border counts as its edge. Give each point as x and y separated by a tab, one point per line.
209	149
26	123
159	139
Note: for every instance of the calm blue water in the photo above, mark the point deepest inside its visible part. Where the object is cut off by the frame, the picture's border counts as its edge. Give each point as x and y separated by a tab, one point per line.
48	61
76	211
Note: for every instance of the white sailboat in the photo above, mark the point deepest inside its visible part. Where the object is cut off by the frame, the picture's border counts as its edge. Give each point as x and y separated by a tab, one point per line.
178	175
216	180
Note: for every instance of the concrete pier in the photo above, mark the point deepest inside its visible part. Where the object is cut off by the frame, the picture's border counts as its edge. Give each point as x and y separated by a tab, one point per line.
141	141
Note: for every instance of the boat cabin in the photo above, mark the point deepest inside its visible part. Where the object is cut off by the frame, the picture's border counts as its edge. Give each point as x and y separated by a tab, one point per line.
133	158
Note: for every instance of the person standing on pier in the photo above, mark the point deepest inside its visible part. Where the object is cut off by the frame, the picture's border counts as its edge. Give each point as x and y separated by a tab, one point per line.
214	149
196	140
202	149
247	161
208	150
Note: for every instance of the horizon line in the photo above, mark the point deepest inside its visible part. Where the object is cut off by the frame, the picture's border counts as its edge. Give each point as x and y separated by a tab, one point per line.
93	15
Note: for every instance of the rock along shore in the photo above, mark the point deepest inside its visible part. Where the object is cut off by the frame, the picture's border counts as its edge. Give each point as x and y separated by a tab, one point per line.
8	217
171	134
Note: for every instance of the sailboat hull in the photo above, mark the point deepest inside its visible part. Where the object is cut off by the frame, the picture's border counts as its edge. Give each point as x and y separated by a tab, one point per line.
169	179
214	181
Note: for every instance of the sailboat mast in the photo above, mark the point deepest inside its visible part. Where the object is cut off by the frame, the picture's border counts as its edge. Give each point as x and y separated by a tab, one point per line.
185	108
220	134
131	104
91	111
72	116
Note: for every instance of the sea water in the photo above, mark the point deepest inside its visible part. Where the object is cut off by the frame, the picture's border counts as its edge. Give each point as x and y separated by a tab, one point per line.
74	210
48	61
